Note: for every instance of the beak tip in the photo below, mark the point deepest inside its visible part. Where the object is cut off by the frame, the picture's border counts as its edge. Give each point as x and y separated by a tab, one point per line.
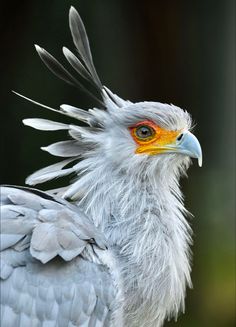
191	147
200	161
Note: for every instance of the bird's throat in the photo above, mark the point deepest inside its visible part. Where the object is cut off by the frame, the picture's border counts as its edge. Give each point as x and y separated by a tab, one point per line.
149	236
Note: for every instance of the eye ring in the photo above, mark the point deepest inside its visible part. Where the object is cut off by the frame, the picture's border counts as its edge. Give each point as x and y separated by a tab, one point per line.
144	132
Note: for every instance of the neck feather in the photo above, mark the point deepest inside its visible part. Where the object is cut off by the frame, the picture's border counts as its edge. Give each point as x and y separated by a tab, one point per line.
142	216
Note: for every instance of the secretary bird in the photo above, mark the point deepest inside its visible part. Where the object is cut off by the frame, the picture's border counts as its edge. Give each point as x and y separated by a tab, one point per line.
111	248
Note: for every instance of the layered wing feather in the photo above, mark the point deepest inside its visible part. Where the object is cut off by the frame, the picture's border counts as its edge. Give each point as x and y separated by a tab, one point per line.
52	270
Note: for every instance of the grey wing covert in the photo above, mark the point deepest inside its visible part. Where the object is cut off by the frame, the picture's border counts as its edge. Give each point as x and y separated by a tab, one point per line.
52	271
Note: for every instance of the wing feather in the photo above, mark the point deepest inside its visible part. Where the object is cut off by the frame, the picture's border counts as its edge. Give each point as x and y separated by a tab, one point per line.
53	284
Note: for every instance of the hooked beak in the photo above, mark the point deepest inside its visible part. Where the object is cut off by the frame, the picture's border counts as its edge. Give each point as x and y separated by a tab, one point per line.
187	144
182	142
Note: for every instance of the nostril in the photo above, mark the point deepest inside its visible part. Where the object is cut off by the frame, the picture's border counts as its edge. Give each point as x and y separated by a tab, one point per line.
180	137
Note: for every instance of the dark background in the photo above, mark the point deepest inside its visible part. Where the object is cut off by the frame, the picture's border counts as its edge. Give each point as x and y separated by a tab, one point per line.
180	52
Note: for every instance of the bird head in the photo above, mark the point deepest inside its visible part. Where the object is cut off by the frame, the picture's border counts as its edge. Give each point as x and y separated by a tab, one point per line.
149	131
125	134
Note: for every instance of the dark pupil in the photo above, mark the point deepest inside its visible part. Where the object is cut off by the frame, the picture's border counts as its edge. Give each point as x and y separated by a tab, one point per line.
144	132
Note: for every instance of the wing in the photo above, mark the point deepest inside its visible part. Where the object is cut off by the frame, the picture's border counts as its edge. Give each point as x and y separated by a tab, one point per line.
52	270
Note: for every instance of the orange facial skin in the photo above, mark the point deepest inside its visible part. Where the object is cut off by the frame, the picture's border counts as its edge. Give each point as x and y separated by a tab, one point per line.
160	141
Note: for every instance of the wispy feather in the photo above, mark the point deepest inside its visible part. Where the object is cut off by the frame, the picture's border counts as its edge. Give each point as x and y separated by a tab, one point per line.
45	124
57	69
81	42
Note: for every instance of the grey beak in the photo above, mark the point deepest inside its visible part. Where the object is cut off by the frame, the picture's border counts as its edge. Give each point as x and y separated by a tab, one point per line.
190	146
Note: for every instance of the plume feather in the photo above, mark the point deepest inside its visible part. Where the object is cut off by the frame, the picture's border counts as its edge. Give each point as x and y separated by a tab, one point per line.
81	42
64	149
66	110
78	66
57	69
77	113
44	124
86	132
115	98
55	168
49	176
35	102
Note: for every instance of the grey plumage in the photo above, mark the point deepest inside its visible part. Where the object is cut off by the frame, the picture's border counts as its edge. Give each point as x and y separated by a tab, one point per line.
57	69
38	228
85	67
44	124
81	42
46	173
63	149
111	248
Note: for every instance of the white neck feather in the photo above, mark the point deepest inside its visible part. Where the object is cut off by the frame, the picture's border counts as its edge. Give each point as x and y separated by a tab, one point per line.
142	217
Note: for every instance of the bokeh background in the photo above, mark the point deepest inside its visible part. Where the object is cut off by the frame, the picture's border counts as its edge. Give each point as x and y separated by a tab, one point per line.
180	52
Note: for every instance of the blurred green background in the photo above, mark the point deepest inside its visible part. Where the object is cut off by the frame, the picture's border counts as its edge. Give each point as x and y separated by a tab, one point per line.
180	52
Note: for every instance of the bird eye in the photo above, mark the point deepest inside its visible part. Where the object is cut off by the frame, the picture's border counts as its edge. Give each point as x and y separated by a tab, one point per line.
144	132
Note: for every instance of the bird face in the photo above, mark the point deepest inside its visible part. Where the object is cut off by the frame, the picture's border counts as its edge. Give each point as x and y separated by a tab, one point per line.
153	129
151	138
